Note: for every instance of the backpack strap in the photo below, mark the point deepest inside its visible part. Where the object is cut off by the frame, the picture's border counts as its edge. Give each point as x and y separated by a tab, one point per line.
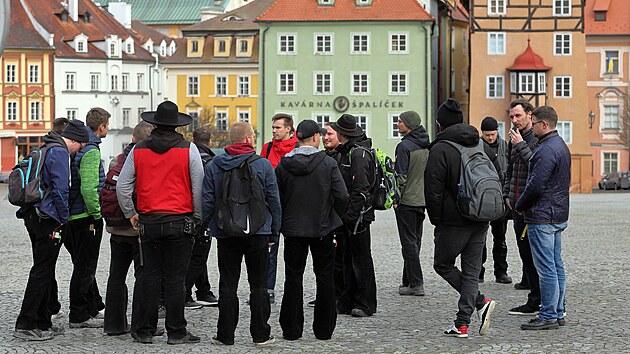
269	146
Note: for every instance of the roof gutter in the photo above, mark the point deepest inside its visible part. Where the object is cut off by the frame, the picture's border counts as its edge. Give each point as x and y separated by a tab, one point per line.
261	80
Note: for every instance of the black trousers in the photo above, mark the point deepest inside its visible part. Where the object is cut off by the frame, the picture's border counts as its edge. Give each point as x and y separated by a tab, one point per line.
292	310
360	282
529	269
451	242
498	228
166	253
34	312
124	250
340	246
409	220
231	251
198	268
82	238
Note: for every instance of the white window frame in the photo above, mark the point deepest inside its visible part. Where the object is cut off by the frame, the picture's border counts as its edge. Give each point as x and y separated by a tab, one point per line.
496	7
496	93
35	111
562	44
542	82
34	76
323	117
398	74
219	119
564	79
81	46
10	73
464	42
363	120
501	129
527	82
561	126
192	86
618	60
95	81
603	160
606	114
244	85
513	76
562	8
367	83
140	81
71	81
242	43
12	111
220	84
327	45
285	42
361	51
240	112
293	78
316	80
126	117
403	37
72	113
113	82
125	82
392	121
496	43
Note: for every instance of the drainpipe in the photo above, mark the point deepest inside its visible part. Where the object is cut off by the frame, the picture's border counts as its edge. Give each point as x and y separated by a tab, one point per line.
261	80
429	93
152	67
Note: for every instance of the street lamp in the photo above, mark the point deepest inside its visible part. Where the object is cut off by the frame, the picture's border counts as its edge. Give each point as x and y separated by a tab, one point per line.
591	119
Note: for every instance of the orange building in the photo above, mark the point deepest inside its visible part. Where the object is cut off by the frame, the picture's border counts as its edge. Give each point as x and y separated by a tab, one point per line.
26	87
607	54
533	50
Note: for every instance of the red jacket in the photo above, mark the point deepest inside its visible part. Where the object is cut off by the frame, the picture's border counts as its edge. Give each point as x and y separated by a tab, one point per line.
279	148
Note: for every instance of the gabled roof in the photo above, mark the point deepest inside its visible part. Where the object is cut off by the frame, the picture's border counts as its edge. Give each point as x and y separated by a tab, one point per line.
617	17
345	10
142	33
208	58
22	34
241	19
529	61
459	13
163	12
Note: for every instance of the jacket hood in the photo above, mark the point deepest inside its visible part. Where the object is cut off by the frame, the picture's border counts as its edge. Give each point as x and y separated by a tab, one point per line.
229	162
93	138
53	137
163	139
418	136
462	133
302	164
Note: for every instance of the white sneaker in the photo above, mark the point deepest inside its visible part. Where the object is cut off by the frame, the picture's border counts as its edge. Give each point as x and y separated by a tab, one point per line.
59	314
91	323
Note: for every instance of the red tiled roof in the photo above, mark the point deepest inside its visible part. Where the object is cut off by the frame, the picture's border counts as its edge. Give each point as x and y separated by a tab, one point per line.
617	17
22	34
529	61
460	13
345	10
142	33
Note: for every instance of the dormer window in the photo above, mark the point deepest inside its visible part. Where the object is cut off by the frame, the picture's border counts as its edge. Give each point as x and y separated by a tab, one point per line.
364	2
129	46
63	15
87	17
194	47
326	2
222	46
244	46
80	43
81	46
172	48
114	47
163	48
600	16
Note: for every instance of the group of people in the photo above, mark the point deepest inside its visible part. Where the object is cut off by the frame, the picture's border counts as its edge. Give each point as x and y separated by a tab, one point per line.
176	195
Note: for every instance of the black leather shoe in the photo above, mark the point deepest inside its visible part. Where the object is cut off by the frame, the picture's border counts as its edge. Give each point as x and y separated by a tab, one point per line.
538	324
503	279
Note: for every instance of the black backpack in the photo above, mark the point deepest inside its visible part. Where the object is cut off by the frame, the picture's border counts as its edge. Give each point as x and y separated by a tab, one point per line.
26	187
110	209
240	206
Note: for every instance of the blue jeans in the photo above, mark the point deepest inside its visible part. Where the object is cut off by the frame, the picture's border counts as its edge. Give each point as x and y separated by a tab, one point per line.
546	243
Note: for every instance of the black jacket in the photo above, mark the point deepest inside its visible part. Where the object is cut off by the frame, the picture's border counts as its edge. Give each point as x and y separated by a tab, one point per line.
312	194
441	175
358	174
516	173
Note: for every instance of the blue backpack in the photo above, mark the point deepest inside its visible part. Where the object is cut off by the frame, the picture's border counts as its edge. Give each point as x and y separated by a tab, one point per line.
26	187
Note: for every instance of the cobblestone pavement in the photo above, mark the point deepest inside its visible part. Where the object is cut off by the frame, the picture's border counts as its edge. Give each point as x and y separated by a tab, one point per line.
596	248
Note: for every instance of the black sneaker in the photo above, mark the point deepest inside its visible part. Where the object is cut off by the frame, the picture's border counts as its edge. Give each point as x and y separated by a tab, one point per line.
538	324
562	322
311	303
32	334
524	310
141	339
192	305
503	279
217	341
187	339
208	300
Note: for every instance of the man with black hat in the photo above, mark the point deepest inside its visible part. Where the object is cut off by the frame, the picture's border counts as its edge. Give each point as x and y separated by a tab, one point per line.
357	168
455	235
497	150
411	160
166	173
42	222
313	195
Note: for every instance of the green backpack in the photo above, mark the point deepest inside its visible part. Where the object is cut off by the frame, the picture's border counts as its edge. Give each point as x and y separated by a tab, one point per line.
385	192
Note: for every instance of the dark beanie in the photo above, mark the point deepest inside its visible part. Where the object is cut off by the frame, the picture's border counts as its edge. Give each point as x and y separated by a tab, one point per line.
450	113
75	130
411	119
488	124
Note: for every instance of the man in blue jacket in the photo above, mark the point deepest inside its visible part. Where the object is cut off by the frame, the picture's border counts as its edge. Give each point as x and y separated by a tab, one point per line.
231	250
545	207
42	222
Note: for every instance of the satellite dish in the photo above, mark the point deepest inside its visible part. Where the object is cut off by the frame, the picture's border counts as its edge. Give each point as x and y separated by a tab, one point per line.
5	14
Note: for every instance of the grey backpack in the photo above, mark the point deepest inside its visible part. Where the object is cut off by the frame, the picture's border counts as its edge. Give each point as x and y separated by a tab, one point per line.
479	192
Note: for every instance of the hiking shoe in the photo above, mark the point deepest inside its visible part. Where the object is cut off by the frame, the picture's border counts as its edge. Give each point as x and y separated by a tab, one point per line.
32	334
521	286
417	290
562	322
208	300
503	279
538	324
57	315
159	332
484	315
161	311
141	339
91	323
189	338
459	332
100	315
311	303
192	305
56	330
524	310
403	289
358	313
217	341
270	340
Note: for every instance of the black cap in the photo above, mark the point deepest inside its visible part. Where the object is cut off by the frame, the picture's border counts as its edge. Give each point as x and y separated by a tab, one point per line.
76	130
307	128
488	124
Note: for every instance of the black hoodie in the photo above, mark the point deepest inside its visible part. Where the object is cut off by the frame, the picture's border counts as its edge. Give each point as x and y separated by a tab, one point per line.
312	193
441	175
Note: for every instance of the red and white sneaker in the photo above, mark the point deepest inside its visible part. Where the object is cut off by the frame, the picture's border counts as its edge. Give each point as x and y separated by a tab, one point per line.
459	332
484	314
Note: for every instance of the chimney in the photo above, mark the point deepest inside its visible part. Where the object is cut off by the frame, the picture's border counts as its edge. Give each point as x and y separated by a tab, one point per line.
121	12
73	9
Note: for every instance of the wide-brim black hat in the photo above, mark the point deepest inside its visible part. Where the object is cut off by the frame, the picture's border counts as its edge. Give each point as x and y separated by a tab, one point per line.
167	114
347	125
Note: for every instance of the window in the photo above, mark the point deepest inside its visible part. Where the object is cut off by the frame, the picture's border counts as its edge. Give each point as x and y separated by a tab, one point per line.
243	46
243	85
95	82
362	121
222	46
35	111
612	62
140	82
496	7
322	119
141	110
600	16
112	49
243	115
125	82
398	83
611	117
286	43
221	119
496	43
542	82
220	83
562	7
562	44
323	43
565	130
71	113
33	73
126	115
11	111
10	73
360	43
360	84
71	81
562	86
323	83
398	43
527	82
364	2
194	48
286	83
610	162
193	86
393	125
129	47
81	46
326	2
114	83
502	130
494	86
163	49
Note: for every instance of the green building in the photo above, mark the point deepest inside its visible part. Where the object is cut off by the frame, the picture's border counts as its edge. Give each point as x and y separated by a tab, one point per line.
322	58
